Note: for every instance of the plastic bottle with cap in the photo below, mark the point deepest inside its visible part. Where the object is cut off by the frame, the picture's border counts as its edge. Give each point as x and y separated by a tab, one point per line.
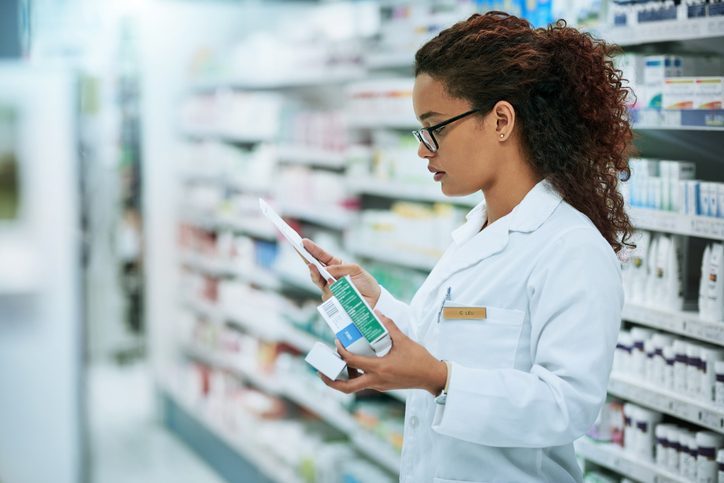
660	341
670	360
649	352
707	444
707	371
646	420
686	441
622	356
638	356
680	366
628	429
662	444
693	362
719	384
674	449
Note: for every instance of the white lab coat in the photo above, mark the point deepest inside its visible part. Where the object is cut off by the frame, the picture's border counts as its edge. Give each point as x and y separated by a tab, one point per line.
530	378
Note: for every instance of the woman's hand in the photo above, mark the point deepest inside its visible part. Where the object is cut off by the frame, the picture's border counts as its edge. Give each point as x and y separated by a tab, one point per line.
365	283
408	365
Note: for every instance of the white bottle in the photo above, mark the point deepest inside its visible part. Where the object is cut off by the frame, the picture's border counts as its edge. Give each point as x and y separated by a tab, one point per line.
707	445
719	384
720	463
629	437
650	353
673	285
661	272
686	460
715	283
638	356
674	449
662	444
646	420
680	366
670	359
693	362
651	279
709	357
704	311
622	356
659	365
639	266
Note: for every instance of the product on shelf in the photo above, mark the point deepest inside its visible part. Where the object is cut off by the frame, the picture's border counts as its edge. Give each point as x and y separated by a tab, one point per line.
662	185
668	362
381	103
711	286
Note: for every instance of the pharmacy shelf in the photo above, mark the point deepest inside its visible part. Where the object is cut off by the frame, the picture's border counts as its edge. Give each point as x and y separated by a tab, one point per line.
205	309
267	326
678	120
667	402
255	228
415	192
301	80
196	218
676	223
390	60
225	137
666	31
401	123
268	383
330	411
395	256
615	458
688	324
310	156
272	467
303	283
330	217
206	264
258	276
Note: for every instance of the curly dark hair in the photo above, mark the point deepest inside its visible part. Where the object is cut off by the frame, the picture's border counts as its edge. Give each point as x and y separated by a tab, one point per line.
568	96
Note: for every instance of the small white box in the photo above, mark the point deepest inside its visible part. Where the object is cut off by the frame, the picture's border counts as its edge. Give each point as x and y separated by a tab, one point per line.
709	93
327	361
720	194
679	93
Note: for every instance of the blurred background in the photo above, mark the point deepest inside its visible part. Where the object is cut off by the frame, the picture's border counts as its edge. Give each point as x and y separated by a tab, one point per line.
152	325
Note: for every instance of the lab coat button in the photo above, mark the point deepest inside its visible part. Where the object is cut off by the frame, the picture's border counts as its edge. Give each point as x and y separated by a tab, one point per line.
413	422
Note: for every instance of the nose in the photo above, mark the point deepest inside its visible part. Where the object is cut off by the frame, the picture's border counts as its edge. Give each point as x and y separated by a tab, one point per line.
424	152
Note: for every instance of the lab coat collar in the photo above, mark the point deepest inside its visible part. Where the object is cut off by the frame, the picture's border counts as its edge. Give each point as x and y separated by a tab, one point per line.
474	245
527	216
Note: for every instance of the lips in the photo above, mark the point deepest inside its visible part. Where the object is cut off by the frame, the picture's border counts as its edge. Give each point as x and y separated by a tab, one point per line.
437	172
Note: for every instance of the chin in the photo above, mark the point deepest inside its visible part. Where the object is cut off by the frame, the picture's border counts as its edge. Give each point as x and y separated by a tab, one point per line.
448	190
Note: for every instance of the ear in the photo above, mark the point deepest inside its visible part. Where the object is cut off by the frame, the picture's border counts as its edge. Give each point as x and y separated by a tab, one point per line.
504	116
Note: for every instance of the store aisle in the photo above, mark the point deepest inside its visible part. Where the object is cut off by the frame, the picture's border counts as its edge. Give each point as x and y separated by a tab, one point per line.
128	441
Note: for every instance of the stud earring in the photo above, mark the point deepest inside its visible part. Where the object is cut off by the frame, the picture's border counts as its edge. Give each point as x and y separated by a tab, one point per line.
502	136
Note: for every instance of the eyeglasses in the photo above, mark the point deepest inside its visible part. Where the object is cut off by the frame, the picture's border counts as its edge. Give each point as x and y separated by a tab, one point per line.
426	136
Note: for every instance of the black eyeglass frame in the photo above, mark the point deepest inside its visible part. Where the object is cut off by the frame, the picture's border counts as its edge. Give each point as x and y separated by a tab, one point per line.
418	132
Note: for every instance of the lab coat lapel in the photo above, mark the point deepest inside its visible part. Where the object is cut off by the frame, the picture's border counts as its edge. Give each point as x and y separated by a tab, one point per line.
474	246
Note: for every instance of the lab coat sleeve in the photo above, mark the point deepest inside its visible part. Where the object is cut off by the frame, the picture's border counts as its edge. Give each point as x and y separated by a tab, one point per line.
398	311
575	299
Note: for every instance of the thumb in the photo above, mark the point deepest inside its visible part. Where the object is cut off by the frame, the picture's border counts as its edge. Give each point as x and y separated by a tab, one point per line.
395	332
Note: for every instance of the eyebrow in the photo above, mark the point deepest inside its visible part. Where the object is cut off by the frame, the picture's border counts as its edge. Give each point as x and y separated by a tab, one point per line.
429	114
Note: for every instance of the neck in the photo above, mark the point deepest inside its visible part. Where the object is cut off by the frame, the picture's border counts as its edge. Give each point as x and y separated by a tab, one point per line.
501	198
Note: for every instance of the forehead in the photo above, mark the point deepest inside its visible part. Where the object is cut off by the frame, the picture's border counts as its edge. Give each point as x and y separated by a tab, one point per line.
429	95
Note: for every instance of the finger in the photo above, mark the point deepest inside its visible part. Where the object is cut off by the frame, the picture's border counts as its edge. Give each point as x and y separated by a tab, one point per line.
318	253
343	269
390	325
363	363
316	276
350	386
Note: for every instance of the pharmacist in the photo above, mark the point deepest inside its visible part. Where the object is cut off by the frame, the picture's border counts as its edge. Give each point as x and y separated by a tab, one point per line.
509	342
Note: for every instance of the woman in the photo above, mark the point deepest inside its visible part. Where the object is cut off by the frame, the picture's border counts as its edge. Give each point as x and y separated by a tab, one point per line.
509	342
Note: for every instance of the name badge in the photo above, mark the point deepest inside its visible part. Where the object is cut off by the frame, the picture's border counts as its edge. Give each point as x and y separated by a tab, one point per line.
464	313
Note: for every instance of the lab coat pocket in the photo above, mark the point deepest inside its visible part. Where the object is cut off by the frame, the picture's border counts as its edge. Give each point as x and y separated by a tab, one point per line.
488	339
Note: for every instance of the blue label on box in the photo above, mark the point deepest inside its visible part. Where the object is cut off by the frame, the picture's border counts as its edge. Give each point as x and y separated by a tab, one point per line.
349	335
